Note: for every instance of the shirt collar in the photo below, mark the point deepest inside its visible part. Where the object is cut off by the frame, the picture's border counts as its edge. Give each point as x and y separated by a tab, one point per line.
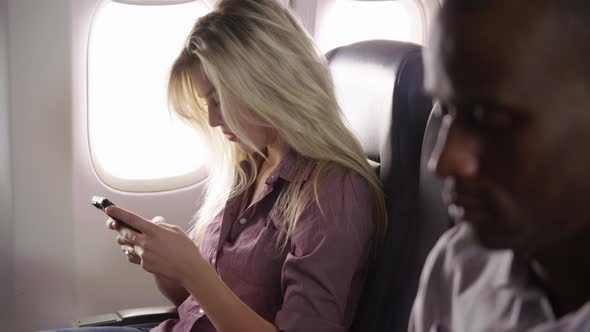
289	166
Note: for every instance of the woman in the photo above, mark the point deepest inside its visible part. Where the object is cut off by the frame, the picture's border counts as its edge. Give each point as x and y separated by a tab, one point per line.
293	209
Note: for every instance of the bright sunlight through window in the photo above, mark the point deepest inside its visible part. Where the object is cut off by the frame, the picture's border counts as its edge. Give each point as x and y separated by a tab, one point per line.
345	22
136	143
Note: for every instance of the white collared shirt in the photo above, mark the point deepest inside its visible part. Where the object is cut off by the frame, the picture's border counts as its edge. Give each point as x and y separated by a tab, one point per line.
467	288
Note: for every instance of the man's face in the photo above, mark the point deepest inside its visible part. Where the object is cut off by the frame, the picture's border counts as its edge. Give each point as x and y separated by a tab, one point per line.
514	147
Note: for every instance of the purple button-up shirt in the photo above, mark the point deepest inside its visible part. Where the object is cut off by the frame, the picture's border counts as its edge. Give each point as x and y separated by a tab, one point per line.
312	285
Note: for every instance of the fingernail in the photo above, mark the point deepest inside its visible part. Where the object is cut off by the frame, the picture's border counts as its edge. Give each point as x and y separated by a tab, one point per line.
113	224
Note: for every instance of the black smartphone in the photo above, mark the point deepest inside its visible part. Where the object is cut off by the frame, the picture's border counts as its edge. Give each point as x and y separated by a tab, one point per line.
102	203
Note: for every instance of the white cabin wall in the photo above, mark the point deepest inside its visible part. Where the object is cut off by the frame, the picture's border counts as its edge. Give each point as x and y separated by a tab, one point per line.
306	11
105	281
66	264
321	9
42	154
6	222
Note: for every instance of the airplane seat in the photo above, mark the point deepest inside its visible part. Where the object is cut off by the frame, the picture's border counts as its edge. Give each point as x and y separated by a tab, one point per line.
379	86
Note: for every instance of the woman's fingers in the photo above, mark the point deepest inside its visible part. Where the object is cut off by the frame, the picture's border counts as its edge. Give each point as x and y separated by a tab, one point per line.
167	226
130	241
132	256
126	249
134	259
132	237
138	251
158	220
123	241
112	224
142	225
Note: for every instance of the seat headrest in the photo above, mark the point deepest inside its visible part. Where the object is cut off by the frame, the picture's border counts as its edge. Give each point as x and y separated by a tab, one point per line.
375	81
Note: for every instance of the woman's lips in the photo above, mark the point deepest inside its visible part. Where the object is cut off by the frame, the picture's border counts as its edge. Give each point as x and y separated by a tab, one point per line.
231	137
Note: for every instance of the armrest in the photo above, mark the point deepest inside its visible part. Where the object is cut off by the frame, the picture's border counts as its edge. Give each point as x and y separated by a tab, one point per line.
136	317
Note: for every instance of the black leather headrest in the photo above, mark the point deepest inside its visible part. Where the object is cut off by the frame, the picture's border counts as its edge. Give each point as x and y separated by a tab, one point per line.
375	82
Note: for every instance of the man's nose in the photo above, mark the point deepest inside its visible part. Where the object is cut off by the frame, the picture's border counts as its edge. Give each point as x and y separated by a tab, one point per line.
456	152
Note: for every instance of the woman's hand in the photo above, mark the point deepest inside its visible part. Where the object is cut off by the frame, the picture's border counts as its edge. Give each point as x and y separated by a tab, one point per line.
126	246
168	253
162	249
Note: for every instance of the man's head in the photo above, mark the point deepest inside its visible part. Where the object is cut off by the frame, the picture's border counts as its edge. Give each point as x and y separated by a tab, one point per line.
513	78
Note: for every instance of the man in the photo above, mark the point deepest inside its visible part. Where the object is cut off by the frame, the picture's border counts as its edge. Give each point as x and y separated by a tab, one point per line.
513	80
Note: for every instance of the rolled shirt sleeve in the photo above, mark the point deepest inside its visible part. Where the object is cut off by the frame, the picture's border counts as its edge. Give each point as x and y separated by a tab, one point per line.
325	269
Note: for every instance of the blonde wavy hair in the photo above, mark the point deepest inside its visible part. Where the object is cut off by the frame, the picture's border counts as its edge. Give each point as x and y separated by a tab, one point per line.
257	52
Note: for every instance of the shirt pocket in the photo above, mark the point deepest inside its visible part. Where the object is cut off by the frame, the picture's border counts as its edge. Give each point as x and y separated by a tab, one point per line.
255	257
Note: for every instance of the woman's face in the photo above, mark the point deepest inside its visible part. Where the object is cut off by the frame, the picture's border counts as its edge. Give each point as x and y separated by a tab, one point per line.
259	135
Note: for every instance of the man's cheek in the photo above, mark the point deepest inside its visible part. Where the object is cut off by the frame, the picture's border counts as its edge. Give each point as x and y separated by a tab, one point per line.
506	207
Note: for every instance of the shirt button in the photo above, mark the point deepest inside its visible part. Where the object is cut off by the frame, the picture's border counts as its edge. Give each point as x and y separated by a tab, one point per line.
243	221
201	311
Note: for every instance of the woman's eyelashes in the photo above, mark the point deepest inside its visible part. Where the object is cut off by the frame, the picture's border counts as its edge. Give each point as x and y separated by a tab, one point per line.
212	103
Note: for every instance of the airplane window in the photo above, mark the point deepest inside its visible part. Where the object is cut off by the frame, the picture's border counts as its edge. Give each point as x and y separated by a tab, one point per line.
343	22
136	143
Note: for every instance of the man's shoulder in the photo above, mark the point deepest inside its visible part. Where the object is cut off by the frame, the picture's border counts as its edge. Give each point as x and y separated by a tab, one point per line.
454	264
458	253
467	287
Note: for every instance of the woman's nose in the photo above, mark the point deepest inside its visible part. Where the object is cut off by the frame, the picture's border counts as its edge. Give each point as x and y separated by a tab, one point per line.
214	118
